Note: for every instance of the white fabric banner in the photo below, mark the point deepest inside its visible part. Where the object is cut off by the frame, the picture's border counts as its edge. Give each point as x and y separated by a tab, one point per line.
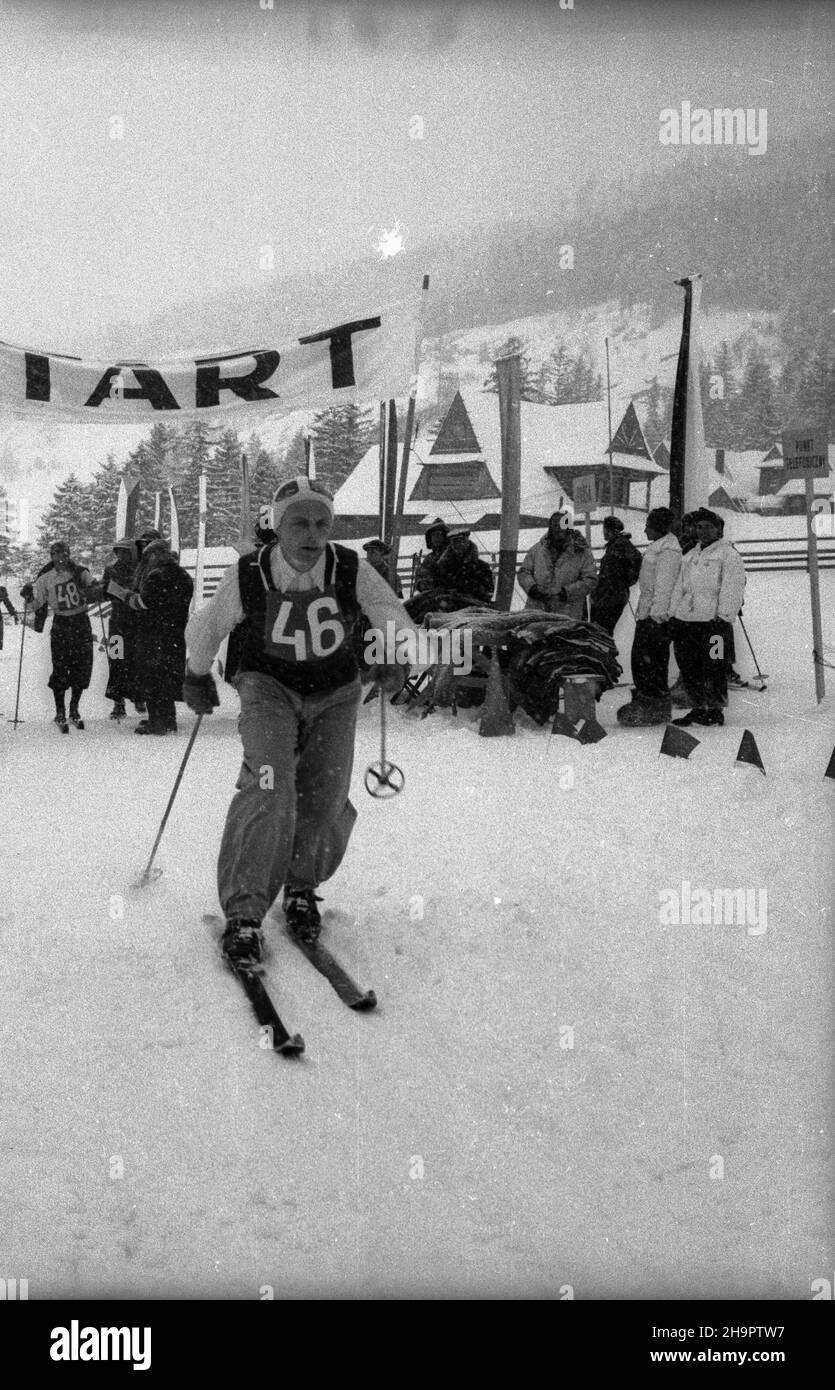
368	358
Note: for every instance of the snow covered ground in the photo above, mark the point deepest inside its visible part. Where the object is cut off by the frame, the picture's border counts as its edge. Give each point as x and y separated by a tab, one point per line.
462	1141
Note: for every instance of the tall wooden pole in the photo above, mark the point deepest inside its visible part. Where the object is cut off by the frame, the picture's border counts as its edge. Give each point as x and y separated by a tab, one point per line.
199	561
381	444
609	414
397	525
508	376
814	585
391	471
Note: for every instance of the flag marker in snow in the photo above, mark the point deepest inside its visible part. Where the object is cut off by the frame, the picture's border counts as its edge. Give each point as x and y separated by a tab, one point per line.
830	767
677	743
749	752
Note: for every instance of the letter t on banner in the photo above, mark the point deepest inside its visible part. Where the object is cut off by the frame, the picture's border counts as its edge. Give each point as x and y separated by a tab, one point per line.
508	377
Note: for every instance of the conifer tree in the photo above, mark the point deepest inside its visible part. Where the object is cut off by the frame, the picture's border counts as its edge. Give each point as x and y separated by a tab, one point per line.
341	435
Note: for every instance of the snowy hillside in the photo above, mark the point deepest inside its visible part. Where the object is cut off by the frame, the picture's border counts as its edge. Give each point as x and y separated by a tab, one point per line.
638	352
557	1089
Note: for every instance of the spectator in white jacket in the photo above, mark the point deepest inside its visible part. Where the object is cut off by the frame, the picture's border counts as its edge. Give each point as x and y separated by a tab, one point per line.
707	597
650	703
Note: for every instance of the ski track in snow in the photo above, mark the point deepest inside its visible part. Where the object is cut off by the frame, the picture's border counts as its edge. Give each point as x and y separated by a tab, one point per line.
150	1147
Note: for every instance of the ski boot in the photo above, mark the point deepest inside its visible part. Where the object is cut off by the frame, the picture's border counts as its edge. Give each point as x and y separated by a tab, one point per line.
118	711
241	942
140	707
75	717
302	915
642	711
61	721
701	716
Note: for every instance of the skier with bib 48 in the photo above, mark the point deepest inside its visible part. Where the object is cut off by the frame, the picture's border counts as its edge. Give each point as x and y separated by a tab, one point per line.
294	603
67	589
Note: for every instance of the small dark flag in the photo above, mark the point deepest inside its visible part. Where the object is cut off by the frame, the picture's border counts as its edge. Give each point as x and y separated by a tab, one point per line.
677	743
589	731
583	730
830	767
749	752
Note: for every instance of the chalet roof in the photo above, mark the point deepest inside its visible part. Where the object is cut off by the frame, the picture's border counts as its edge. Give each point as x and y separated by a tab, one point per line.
456	434
567	439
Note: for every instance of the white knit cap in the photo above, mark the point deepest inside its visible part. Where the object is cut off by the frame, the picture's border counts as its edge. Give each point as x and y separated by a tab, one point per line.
299	489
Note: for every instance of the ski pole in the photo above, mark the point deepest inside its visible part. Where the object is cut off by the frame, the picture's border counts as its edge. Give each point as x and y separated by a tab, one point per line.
383	779
103	642
751	649
148	876
17	721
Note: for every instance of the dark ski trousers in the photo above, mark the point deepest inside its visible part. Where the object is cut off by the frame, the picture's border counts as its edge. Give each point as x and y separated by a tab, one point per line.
290	820
71	645
702	661
162	714
607	611
651	659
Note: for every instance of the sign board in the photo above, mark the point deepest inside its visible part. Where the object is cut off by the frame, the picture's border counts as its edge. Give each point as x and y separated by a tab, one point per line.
585	492
805	454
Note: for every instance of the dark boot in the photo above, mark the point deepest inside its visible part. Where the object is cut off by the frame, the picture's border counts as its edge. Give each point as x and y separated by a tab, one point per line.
302	915
118	711
700	716
75	717
642	711
241	941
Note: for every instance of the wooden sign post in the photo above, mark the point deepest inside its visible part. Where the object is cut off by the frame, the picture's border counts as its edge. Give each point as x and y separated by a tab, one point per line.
805	455
585	499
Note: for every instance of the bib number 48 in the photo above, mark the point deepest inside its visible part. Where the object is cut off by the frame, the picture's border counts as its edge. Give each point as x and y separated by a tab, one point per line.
323	633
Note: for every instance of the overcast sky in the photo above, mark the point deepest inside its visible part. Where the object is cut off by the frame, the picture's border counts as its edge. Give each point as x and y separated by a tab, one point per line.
245	126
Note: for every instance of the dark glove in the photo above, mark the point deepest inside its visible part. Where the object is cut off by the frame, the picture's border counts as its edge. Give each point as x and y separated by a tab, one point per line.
200	692
538	595
389	679
27	592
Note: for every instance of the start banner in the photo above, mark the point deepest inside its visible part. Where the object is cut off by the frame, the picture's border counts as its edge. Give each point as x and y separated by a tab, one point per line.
369	358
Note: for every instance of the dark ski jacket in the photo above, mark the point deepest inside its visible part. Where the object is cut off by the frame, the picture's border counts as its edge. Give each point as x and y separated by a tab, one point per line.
159	641
465	574
619	570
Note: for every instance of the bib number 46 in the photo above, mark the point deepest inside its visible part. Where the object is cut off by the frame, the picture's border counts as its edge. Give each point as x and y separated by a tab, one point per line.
323	633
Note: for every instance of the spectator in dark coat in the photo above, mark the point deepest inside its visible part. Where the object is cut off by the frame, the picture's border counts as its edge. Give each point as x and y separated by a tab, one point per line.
117	582
436	536
460	570
161	606
619	570
377	554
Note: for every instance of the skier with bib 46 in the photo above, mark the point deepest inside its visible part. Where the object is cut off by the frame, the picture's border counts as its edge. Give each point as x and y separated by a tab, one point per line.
294	603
